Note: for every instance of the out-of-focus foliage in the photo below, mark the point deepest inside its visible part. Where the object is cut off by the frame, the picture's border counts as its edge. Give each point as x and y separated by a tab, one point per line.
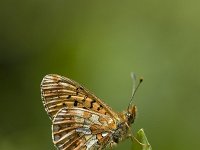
98	44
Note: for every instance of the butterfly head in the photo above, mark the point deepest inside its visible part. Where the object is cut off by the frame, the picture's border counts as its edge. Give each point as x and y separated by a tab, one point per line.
131	114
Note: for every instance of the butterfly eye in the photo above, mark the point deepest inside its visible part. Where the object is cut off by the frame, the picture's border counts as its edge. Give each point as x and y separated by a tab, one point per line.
131	119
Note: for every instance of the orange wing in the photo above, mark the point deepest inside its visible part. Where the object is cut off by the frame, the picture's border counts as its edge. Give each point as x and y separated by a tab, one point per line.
81	129
59	92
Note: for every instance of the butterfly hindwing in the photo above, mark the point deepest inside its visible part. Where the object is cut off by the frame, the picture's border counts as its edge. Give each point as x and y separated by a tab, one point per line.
77	128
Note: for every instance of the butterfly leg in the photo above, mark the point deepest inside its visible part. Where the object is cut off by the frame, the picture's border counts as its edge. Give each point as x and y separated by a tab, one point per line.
111	145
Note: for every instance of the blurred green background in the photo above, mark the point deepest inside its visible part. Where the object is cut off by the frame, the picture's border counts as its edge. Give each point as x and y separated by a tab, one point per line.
98	44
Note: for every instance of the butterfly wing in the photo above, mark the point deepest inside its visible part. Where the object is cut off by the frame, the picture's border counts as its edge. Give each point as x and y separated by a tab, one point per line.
58	92
81	129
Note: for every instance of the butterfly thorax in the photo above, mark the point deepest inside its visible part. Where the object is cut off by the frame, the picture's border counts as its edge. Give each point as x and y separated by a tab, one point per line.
120	133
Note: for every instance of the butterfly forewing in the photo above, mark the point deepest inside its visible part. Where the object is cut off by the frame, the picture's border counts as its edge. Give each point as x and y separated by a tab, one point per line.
58	92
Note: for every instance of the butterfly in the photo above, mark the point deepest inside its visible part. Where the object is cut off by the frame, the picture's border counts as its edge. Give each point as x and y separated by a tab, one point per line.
80	120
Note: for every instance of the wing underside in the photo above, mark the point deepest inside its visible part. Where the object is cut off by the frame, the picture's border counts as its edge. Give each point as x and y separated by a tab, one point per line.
80	120
80	129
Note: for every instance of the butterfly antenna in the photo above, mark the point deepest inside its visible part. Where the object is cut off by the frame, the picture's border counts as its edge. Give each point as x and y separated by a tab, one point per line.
133	77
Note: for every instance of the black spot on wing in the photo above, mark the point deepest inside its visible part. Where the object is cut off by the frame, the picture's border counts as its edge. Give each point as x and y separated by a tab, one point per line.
91	103
75	103
69	96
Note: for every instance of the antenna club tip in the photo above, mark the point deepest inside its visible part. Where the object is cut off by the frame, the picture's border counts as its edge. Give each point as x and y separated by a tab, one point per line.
141	79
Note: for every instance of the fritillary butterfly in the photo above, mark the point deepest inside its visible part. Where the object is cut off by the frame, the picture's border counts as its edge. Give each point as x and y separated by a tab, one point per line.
80	120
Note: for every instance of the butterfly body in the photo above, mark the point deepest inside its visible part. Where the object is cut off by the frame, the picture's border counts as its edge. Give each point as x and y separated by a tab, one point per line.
80	120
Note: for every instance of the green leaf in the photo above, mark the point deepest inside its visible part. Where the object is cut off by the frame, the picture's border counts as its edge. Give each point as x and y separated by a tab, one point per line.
141	137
